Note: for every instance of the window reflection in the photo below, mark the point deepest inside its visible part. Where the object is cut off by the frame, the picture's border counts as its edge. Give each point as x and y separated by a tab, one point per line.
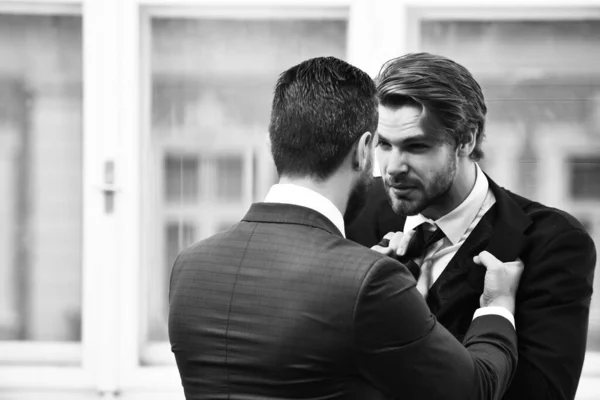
542	85
178	236
181	179
585	178
228	179
40	177
212	85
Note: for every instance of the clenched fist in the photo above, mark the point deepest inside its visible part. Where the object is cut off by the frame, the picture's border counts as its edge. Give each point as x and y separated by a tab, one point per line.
393	244
501	281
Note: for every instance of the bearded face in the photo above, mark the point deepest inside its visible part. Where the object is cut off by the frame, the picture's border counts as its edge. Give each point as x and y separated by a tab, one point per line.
418	169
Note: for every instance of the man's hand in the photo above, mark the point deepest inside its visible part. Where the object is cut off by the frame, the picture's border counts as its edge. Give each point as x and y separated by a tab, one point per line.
501	281
393	244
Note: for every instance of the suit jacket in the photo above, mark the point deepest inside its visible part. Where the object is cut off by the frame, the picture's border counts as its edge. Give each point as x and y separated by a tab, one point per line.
553	299
282	306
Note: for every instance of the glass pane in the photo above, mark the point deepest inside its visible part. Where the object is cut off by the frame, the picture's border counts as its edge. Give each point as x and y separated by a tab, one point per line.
212	84
229	178
40	177
181	179
179	236
542	84
585	178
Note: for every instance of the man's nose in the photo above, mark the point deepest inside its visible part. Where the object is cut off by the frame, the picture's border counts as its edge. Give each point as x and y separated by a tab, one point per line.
397	163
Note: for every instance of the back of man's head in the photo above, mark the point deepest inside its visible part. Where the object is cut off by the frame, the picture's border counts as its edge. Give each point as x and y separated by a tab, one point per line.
321	107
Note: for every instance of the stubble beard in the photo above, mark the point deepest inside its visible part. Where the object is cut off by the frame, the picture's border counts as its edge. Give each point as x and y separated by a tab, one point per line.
428	195
358	197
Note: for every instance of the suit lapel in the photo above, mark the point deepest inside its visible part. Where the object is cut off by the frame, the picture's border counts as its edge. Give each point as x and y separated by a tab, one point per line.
462	276
509	229
502	233
508	238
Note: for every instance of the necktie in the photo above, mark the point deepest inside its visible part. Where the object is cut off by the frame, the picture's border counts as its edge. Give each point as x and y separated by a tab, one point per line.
417	247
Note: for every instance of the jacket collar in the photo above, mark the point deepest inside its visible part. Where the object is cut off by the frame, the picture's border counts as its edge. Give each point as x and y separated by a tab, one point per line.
289	193
508	237
282	213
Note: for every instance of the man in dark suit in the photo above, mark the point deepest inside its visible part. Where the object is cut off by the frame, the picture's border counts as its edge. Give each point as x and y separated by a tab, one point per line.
283	306
432	116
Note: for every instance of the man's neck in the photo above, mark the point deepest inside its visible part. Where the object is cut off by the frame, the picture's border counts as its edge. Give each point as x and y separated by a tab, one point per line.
461	187
332	188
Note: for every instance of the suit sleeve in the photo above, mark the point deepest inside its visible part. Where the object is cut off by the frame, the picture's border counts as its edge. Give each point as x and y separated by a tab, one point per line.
553	304
404	352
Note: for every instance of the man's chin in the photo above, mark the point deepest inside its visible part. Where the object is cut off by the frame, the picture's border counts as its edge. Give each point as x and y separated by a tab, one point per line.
405	208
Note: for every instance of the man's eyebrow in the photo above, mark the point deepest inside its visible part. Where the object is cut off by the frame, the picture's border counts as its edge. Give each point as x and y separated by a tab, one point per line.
416	138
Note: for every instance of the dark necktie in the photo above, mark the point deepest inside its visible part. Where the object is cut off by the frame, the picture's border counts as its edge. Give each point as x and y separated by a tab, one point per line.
421	240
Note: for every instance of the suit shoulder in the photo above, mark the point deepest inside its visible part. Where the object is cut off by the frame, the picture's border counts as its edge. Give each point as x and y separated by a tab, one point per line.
371	269
346	246
230	235
548	217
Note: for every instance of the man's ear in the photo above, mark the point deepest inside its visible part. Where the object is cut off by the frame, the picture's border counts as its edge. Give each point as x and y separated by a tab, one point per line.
363	151
468	145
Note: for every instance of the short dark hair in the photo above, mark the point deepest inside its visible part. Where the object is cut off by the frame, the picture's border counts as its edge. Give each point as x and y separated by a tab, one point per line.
321	107
445	89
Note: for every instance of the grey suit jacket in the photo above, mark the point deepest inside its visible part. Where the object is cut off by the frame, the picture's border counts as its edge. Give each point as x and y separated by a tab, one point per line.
282	306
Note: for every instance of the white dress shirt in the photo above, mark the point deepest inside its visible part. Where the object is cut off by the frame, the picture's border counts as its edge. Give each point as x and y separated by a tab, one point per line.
289	193
457	225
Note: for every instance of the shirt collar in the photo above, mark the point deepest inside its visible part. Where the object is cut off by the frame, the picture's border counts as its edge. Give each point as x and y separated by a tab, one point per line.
456	222
289	193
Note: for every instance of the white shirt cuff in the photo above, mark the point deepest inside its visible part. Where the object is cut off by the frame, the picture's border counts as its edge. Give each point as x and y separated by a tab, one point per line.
501	311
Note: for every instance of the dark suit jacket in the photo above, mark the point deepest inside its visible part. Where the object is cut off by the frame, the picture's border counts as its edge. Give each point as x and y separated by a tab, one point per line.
554	295
282	306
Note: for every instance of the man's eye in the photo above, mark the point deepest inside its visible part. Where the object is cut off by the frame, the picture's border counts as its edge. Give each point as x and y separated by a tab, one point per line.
383	144
419	147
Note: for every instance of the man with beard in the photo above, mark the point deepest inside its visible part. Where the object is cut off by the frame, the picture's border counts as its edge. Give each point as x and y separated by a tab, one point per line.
431	125
283	306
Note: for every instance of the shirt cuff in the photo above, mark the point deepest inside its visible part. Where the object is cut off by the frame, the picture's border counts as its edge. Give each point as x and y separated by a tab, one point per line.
501	311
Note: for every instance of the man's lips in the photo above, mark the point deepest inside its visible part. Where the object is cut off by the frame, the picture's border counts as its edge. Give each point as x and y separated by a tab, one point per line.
402	190
402	187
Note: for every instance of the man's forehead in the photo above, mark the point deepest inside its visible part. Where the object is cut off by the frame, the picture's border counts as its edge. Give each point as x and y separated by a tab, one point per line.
400	125
408	122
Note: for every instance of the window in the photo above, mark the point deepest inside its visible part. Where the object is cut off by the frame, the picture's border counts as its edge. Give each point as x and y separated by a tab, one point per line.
542	134
530	92
211	86
585	178
181	179
41	185
228	179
